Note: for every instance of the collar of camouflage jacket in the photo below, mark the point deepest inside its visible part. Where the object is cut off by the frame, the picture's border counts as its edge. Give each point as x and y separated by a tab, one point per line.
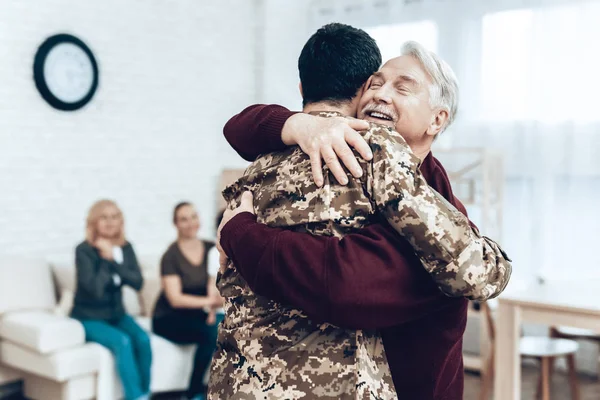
325	113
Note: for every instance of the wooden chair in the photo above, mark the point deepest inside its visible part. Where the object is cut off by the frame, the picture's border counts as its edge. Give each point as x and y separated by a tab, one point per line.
544	349
565	332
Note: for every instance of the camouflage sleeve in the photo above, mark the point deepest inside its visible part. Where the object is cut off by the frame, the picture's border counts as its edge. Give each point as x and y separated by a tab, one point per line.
461	261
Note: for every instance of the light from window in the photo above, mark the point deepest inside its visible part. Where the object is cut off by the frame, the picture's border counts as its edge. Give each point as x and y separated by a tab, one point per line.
541	64
390	38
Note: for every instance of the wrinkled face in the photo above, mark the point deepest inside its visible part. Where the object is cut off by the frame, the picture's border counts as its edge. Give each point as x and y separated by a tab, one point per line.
110	223
398	96
187	222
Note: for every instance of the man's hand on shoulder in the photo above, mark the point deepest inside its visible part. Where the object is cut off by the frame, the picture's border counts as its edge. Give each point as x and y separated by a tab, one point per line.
328	139
246	205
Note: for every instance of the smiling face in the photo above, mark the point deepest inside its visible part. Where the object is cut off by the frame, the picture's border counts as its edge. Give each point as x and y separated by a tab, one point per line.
109	223
187	222
105	221
398	95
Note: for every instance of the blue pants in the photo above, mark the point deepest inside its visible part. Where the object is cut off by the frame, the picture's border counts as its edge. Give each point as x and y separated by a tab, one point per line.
130	346
220	318
191	328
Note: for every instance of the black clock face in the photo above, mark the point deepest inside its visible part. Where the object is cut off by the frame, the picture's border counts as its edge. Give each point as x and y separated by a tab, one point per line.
65	72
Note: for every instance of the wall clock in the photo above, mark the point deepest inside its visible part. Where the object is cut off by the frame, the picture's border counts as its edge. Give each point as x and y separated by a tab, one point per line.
65	72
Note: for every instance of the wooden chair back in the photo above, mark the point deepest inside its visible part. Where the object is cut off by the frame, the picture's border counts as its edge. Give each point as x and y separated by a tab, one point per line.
489	320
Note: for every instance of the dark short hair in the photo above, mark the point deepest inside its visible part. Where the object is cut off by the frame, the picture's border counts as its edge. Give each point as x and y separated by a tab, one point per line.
177	207
335	62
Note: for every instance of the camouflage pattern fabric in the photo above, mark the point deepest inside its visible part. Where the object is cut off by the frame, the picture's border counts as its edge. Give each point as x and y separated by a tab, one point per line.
461	261
268	350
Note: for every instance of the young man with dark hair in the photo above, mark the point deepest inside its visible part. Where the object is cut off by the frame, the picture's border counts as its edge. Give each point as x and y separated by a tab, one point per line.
335	63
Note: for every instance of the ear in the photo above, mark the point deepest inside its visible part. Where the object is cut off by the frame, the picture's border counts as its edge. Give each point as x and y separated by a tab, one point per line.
438	121
363	88
300	88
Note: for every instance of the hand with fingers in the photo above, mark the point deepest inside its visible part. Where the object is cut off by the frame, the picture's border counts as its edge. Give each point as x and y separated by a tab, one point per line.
330	140
105	248
211	318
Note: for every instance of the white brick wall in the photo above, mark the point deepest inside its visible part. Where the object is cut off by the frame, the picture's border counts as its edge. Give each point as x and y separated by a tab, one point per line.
171	73
287	28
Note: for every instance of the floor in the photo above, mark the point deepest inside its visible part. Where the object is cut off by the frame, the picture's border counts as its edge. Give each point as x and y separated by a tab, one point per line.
589	386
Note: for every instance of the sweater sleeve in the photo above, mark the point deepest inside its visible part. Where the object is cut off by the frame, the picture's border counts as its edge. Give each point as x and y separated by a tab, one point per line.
370	279
257	130
94	274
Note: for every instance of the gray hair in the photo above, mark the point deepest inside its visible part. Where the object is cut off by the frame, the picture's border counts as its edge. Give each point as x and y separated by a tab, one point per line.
444	91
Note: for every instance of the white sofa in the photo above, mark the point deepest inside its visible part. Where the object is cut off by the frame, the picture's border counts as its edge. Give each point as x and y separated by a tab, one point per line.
47	349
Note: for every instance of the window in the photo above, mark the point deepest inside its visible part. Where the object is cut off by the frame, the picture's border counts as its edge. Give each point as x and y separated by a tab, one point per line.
391	37
541	64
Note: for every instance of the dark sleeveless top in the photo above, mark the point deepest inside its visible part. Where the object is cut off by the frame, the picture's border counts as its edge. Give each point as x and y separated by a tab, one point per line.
194	278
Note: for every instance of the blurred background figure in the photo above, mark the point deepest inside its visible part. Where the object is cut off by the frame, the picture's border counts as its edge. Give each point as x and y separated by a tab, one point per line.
180	314
105	262
213	269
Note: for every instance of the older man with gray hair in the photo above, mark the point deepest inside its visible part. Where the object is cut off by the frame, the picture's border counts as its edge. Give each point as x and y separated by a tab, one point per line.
416	94
373	278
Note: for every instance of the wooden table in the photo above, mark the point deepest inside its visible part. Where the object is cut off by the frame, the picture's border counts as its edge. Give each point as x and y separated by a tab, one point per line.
575	304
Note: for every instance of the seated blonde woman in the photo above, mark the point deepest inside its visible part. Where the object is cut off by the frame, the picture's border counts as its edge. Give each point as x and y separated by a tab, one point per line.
185	310
105	262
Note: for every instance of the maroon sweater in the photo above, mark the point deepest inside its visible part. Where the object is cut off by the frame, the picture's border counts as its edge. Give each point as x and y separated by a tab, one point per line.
370	279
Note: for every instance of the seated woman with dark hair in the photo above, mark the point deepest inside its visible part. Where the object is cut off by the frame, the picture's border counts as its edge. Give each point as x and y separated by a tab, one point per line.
181	314
105	262
214	264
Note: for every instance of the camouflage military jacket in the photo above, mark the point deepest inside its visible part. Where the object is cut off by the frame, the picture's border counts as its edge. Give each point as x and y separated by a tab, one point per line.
268	350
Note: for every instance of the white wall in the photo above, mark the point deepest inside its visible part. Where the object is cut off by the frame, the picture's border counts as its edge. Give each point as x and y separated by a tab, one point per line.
171	74
286	30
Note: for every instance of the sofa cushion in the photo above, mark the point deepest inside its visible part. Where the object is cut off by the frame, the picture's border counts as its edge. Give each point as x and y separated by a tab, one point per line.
77	388
25	284
145	323
59	366
41	331
149	293
149	264
164	353
64	274
8	375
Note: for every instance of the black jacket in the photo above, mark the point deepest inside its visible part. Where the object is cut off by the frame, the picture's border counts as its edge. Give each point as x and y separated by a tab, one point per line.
97	295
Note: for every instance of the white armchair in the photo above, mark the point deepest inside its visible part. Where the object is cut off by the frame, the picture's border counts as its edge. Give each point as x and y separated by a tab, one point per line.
48	349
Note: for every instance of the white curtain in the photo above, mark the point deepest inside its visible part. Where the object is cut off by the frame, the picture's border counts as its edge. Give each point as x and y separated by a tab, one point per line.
530	87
